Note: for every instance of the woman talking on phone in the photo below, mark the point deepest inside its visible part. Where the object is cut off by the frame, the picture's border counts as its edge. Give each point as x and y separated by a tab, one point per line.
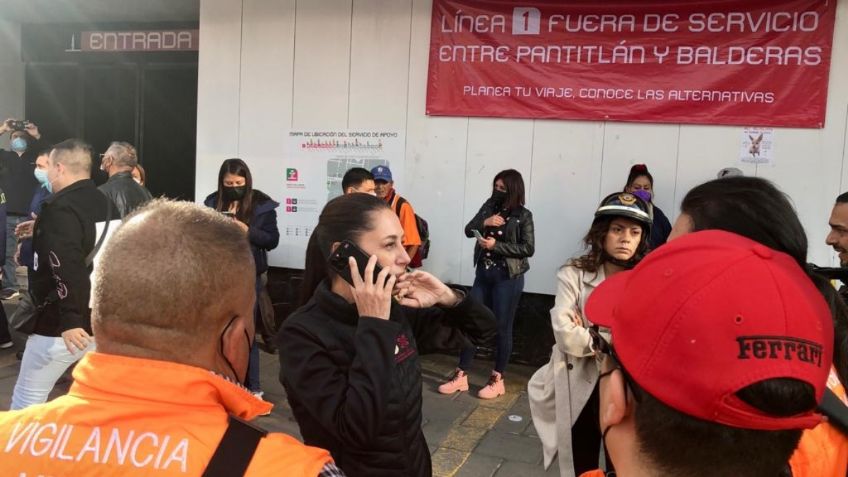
505	240
349	355
254	212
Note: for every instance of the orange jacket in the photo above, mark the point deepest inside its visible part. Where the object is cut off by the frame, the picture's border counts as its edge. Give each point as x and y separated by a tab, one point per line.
823	450
593	473
406	215
137	417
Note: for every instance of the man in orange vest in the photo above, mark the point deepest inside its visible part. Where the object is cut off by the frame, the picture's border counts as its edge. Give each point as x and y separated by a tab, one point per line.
173	316
721	350
385	189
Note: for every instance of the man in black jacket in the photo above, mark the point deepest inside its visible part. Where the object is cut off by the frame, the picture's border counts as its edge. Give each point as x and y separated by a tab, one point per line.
19	184
118	162
63	236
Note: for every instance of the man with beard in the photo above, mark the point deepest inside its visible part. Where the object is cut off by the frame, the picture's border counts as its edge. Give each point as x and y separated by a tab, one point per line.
838	236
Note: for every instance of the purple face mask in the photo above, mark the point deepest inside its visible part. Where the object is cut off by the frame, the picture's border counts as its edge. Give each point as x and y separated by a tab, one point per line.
643	194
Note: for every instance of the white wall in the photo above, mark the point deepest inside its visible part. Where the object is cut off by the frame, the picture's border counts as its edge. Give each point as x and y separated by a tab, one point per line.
270	65
11	75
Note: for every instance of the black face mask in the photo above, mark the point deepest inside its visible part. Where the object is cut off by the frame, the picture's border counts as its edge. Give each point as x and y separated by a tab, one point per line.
235	193
498	196
232	368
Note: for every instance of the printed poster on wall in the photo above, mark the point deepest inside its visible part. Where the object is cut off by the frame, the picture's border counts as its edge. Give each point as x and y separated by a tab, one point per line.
748	62
757	146
316	161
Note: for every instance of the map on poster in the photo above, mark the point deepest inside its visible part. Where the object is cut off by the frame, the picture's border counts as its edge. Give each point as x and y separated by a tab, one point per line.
315	162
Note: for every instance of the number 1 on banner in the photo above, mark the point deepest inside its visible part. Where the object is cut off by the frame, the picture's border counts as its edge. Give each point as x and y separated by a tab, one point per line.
525	21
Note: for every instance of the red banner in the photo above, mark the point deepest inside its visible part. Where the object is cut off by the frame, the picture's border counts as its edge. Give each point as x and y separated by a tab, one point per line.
745	62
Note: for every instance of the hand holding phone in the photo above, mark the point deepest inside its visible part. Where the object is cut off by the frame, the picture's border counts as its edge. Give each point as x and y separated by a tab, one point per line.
372	285
340	264
477	234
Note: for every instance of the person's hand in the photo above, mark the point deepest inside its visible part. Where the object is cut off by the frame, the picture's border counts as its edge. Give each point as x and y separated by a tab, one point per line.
373	297
32	130
494	221
487	243
6	126
577	319
420	289
76	339
24	229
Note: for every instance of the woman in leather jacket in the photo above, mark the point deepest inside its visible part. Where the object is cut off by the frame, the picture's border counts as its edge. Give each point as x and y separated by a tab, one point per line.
500	256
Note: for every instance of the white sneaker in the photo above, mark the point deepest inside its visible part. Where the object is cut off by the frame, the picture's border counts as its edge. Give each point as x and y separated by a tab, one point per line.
6	345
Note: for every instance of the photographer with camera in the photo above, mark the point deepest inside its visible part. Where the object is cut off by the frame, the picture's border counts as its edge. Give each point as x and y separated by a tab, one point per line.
19	184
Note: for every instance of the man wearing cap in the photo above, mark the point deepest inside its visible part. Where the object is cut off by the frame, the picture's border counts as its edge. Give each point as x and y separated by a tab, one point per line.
720	354
384	187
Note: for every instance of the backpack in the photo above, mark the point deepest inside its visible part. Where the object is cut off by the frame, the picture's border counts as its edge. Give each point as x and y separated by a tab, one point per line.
423	230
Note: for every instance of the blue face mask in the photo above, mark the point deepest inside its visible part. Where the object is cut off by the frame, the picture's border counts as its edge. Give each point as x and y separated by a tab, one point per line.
18	144
41	176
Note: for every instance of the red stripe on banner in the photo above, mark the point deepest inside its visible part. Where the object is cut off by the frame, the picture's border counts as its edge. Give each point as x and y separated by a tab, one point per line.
747	62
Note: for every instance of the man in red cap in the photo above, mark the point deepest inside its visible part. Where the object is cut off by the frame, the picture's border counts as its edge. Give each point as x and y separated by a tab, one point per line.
720	353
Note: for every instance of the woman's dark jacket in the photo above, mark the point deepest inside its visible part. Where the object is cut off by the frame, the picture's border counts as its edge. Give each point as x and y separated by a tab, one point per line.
660	229
517	243
354	384
262	230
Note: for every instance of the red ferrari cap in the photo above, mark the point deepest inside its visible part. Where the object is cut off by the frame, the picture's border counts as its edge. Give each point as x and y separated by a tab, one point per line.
710	313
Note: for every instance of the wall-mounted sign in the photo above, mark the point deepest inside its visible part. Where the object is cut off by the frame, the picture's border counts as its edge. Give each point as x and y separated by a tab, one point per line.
749	62
130	41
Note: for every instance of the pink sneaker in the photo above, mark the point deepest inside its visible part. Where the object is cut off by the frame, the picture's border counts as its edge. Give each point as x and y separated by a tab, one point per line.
494	388
457	382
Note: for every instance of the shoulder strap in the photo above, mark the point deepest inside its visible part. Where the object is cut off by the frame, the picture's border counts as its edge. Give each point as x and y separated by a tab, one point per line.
236	449
835	410
398	204
89	259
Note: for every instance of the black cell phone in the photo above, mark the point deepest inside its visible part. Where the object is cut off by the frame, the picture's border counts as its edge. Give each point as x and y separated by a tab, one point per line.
18	125
338	261
227	213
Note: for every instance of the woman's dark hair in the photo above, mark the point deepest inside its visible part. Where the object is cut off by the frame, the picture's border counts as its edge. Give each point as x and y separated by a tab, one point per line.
236	167
757	209
594	245
514	188
344	218
637	171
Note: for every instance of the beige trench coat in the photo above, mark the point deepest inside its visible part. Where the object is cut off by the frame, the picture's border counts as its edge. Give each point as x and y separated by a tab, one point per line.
559	390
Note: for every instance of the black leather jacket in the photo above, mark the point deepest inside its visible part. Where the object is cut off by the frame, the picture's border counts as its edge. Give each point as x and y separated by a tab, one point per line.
125	192
518	242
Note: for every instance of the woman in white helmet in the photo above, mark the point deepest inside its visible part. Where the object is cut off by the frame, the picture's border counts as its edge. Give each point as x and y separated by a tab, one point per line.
564	393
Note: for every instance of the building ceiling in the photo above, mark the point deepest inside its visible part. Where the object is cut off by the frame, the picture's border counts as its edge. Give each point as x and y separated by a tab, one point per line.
86	11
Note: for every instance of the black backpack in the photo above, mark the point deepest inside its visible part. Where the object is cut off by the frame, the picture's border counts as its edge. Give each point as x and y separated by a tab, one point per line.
423	229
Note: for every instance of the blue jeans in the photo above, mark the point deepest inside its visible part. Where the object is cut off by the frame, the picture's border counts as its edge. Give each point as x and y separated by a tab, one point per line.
499	293
253	361
10	279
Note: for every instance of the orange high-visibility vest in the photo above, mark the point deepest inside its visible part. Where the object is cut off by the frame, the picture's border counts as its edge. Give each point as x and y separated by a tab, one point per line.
823	450
138	417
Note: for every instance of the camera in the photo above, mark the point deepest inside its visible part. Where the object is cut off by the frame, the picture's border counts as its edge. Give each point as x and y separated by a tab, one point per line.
16	125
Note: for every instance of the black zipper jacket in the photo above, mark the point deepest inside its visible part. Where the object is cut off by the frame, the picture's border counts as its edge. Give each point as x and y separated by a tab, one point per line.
354	384
63	235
